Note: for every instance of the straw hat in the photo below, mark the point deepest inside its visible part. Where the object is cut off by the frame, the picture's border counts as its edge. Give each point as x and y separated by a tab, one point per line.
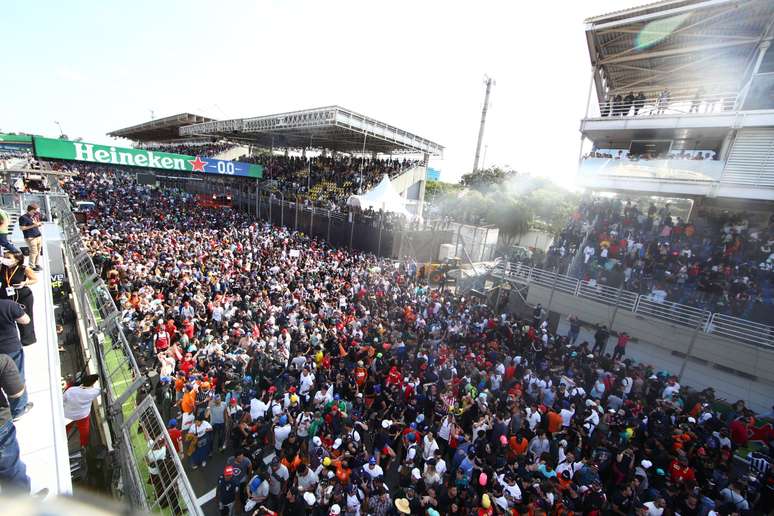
402	504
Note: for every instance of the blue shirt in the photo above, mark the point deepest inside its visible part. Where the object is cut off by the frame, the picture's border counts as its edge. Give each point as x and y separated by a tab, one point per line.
26	220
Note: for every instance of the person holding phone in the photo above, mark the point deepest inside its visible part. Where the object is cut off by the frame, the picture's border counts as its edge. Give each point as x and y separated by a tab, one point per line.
15	280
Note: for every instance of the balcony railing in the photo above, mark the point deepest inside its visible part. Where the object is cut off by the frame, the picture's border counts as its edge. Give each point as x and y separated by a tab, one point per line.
734	328
665	105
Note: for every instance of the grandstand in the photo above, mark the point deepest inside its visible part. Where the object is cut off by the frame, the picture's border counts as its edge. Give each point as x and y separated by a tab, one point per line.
159	130
336	134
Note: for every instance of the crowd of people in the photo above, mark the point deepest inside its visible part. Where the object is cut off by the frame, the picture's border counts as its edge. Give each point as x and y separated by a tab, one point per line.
327	181
693	155
339	383
191	149
720	261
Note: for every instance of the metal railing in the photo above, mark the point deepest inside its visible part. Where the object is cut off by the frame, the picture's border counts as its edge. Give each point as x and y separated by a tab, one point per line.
657	104
646	305
150	474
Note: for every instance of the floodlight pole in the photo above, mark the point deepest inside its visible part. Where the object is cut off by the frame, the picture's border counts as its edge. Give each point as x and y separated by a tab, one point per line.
483	122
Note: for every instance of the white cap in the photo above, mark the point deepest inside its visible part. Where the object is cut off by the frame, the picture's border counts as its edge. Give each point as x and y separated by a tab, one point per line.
645	463
337	444
416	474
317	441
692	420
386	423
309	499
335	509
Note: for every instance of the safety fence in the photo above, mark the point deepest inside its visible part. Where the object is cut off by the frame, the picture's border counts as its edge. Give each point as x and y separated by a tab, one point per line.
722	325
149	473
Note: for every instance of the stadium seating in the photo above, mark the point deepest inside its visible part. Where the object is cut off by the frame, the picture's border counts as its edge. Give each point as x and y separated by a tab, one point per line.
721	262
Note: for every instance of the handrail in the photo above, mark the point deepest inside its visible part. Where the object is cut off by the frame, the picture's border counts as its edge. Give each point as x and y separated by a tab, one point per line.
657	104
734	328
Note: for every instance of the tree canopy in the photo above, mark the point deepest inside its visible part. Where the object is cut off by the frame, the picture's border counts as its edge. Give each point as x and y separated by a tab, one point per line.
511	201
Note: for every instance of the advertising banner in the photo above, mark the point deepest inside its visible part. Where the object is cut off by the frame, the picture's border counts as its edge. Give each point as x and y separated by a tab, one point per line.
15	142
110	155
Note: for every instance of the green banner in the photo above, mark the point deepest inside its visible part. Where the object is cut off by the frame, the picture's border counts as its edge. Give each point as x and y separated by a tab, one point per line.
15	138
93	153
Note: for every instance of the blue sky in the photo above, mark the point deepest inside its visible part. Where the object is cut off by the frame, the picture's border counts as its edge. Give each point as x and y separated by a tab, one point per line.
98	66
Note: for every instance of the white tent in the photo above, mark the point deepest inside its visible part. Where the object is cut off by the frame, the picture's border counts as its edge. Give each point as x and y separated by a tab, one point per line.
382	197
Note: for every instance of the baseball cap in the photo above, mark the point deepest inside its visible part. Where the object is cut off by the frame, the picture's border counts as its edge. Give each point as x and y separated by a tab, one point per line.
335	509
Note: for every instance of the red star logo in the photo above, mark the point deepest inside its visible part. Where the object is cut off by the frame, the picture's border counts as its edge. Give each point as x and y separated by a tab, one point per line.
197	164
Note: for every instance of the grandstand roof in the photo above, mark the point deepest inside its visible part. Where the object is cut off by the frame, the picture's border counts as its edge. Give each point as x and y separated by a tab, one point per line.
160	129
332	127
678	44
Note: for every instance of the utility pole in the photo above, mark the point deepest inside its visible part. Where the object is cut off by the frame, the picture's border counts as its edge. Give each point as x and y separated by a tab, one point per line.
488	83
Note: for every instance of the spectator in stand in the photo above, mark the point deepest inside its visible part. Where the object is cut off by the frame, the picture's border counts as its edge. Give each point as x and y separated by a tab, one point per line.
13	472
30	223
5	220
11	314
15	281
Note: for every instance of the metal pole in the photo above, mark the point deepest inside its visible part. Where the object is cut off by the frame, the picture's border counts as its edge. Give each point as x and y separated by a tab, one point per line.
295	223
615	307
689	351
329	226
351	227
379	244
282	209
483	122
311	221
258	199
553	288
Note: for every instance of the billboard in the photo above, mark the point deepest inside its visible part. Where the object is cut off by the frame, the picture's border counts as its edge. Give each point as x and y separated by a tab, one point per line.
109	155
15	142
433	174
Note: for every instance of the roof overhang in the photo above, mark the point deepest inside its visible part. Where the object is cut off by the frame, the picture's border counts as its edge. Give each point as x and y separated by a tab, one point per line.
160	129
332	128
680	45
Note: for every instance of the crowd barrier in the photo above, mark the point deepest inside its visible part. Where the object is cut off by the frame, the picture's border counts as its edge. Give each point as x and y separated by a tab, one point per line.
139	437
722	325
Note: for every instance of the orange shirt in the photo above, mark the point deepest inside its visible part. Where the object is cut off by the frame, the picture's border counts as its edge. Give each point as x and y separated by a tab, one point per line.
519	447
554	422
188	403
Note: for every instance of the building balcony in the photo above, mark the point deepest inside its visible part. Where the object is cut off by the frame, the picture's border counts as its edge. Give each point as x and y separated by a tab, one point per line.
662	176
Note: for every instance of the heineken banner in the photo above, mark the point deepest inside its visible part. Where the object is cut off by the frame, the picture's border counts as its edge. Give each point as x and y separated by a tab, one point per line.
110	155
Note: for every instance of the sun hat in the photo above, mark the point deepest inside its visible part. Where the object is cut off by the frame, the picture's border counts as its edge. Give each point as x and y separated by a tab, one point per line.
403	506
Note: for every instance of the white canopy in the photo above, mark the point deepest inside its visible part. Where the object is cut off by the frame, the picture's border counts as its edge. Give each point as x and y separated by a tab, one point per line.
382	197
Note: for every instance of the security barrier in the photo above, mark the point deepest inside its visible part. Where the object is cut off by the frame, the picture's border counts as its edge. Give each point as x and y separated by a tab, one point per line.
727	326
150	474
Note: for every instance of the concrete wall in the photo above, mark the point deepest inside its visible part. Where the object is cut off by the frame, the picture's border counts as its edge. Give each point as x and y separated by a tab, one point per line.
714	361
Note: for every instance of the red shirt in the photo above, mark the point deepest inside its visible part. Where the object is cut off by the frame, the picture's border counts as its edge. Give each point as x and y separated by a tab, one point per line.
176	435
680	473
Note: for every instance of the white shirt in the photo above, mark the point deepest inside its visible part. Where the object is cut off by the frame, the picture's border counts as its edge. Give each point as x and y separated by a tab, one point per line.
653	510
429	448
257	408
200	430
77	401
280	434
376	472
566	416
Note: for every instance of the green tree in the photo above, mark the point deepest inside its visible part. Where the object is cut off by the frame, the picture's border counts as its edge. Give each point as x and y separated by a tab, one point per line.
487	179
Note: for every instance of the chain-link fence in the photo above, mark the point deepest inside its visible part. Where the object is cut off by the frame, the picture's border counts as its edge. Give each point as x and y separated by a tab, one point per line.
150	474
